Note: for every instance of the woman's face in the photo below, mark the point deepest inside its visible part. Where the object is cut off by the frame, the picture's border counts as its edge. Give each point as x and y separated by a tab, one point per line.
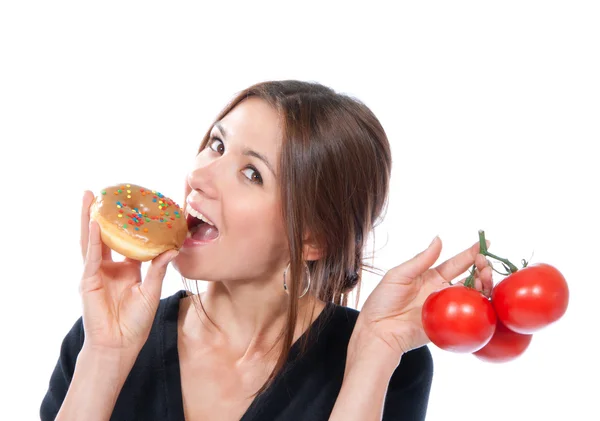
239	193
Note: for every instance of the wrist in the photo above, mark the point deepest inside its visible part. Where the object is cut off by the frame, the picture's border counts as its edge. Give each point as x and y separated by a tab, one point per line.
369	368
367	349
116	363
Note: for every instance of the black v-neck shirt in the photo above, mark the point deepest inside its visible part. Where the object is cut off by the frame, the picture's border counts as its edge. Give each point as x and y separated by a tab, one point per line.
306	389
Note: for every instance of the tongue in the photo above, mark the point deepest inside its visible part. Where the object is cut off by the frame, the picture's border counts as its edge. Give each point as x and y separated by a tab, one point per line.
205	232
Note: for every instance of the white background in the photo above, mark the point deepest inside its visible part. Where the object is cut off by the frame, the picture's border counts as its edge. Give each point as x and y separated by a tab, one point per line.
492	110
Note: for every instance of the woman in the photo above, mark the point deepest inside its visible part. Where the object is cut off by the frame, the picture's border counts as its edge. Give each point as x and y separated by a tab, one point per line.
294	178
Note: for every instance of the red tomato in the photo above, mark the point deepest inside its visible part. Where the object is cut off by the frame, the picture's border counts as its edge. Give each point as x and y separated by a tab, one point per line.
504	346
458	319
531	298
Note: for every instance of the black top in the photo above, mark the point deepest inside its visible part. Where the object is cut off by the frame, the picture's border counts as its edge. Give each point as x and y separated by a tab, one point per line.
306	389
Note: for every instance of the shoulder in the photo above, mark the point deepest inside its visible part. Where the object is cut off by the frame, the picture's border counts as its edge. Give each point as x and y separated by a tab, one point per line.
340	317
410	386
71	345
167	313
415	365
169	305
334	326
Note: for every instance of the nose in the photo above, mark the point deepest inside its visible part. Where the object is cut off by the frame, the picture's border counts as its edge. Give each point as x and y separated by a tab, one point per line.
203	179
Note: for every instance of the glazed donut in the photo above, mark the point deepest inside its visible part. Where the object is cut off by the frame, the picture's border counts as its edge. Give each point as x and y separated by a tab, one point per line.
138	223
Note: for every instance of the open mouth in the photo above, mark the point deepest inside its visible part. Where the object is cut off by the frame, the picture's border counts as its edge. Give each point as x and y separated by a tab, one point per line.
199	228
193	222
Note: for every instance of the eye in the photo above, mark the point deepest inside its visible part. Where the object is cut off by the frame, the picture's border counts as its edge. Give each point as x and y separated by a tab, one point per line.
256	179
216	139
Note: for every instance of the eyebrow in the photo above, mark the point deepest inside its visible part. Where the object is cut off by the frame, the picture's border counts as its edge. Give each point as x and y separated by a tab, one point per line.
246	151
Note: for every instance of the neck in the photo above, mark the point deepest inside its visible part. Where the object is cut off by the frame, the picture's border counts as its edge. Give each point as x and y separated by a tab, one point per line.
247	318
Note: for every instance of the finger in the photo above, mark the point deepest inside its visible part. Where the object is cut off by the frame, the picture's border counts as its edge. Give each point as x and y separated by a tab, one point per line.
481	262
106	252
484	274
93	258
88	198
482	282
418	264
487	283
156	273
460	263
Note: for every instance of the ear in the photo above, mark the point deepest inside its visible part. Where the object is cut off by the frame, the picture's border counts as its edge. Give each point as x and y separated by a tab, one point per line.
312	249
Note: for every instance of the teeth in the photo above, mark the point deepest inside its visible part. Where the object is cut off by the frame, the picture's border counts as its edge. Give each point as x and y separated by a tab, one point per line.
198	215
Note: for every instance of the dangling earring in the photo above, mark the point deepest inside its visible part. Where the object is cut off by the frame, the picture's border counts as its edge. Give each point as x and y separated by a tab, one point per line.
307	285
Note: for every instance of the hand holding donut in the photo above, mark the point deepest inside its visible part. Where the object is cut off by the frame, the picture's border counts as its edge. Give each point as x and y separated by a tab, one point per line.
118	308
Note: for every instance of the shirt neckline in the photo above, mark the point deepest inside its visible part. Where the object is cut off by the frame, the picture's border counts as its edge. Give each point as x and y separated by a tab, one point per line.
170	357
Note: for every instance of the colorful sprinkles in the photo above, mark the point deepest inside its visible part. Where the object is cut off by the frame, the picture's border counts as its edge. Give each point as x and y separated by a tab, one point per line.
136	219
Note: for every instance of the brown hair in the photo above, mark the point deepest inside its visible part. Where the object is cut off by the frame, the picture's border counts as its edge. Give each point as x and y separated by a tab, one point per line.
335	167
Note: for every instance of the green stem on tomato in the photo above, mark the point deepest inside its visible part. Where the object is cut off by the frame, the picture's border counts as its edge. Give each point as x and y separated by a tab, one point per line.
470	281
482	243
483	250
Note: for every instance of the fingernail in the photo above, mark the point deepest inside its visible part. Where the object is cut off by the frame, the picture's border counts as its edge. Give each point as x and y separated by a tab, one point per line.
433	241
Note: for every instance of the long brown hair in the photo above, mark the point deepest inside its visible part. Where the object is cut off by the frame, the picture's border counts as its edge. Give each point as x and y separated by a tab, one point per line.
335	167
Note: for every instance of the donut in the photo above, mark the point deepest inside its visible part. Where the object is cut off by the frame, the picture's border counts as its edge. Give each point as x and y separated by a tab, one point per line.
137	222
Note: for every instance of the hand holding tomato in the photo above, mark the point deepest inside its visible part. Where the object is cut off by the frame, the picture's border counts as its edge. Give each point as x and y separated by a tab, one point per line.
392	313
460	319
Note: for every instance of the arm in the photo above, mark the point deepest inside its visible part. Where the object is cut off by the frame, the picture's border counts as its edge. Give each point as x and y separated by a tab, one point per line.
96	383
366	378
83	382
410	386
118	312
388	330
376	388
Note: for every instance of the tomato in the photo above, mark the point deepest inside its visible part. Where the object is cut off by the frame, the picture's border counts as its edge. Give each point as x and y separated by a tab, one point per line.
504	346
458	319
531	298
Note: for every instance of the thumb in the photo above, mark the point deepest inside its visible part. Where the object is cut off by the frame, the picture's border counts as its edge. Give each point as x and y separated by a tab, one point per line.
421	262
156	273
